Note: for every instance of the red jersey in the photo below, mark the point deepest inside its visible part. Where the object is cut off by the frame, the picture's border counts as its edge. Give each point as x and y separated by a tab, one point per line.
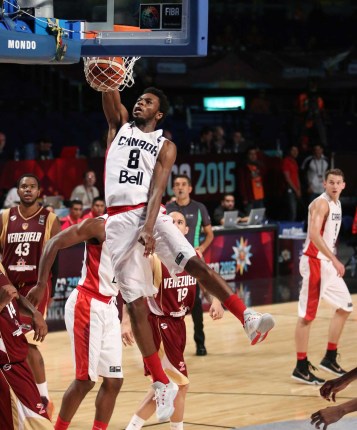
13	343
175	297
22	240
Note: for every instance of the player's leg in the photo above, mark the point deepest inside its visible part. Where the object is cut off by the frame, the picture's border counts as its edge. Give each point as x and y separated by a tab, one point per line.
37	366
109	365
177	255
71	401
21	407
144	411
336	293
197	317
310	270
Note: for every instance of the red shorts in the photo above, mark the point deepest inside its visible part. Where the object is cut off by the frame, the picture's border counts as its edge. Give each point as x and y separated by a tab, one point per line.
170	340
20	401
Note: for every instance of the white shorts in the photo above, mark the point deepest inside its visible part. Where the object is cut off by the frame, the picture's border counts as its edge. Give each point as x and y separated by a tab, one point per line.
132	270
94	329
320	281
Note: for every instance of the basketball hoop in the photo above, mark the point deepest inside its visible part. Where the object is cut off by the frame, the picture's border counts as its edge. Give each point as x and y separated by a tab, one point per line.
107	74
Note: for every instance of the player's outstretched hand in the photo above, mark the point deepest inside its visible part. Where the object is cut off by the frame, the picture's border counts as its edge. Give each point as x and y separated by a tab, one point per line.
330	388
39	326
34	296
146	238
326	416
216	310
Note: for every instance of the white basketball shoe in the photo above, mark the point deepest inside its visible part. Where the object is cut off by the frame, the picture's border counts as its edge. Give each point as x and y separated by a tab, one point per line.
257	326
164	395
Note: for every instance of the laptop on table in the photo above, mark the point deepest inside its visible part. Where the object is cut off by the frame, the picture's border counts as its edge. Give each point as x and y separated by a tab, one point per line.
256	217
230	219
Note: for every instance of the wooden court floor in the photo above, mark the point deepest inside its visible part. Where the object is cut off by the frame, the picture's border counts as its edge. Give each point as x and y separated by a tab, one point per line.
235	385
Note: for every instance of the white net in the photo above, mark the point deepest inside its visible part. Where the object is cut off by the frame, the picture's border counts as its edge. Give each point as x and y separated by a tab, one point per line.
109	73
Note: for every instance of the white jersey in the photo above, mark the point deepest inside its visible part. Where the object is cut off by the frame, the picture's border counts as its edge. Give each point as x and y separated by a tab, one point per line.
329	230
97	276
129	165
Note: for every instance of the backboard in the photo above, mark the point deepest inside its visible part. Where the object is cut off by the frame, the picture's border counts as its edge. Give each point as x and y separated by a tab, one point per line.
139	27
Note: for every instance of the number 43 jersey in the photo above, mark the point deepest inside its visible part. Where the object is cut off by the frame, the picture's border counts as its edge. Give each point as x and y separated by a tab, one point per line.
22	240
129	165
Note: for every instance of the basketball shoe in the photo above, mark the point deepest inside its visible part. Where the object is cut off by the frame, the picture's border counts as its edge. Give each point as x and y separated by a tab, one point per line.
302	373
329	363
164	395
257	326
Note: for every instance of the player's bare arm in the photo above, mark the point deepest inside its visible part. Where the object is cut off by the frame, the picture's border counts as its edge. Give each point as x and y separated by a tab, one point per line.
115	113
319	212
162	170
56	227
7	294
38	322
330	388
91	228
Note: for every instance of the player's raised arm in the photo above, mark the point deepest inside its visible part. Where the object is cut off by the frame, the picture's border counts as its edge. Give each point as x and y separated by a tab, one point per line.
115	113
78	233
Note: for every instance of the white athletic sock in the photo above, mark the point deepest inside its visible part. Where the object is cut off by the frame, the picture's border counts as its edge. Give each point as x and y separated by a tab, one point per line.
135	423
42	388
176	426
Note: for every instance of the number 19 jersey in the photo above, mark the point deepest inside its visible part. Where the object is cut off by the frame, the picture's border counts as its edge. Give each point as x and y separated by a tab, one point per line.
129	165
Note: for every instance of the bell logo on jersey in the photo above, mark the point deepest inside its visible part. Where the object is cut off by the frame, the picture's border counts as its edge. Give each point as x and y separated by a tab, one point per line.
124	177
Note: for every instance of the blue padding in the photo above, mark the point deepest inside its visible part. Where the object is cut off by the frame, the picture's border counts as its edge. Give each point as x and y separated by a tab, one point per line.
26	48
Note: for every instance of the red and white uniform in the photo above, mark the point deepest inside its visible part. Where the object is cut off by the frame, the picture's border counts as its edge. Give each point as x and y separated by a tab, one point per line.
20	402
320	280
92	320
22	242
174	300
129	169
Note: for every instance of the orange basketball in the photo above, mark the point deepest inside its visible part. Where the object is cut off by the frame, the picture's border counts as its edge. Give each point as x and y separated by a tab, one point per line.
104	74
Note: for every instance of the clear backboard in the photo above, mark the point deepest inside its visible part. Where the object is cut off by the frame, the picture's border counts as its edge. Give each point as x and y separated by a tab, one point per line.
139	27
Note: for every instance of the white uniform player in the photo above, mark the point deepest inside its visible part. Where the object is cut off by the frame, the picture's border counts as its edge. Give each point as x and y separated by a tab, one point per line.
322	274
97	350
320	279
130	164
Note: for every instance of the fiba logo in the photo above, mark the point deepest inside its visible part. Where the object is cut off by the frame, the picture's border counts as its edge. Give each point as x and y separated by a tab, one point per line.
150	17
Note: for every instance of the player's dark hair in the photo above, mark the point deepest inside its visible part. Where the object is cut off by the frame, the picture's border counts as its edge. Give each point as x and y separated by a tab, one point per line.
97	199
75	202
164	103
184	177
27	175
336	172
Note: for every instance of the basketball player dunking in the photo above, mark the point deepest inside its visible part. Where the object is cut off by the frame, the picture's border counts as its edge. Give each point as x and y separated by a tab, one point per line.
92	322
24	231
138	164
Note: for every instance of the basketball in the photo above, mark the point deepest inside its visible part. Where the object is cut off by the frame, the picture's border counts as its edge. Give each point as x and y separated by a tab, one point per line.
105	74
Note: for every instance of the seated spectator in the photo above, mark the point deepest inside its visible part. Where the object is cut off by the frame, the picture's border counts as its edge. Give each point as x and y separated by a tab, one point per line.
204	144
227	204
219	140
44	149
12	198
237	143
86	192
97	209
74	216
